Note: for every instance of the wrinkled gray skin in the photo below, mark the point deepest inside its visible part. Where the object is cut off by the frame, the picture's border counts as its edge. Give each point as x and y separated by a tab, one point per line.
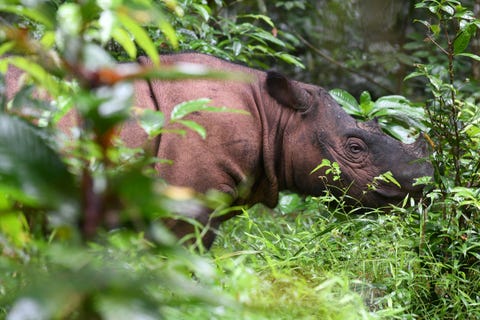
291	128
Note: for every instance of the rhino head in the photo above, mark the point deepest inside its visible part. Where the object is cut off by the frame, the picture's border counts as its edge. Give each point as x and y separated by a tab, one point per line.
323	130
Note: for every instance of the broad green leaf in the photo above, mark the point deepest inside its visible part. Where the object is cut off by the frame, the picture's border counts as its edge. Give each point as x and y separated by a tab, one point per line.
470	55
237	47
185	108
366	103
400	133
48	39
388	177
203	10
35	71
290	59
392	102
435	29
260	34
141	36
14	226
290	203
30	165
194	126
448	9
124	39
462	41
396	106
413	75
33	14
467	196
6	47
347	101
436	82
262	17
325	163
169	32
192	71
472	131
152	122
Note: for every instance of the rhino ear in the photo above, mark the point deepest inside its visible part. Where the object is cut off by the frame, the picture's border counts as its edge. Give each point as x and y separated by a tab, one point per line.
373	125
287	92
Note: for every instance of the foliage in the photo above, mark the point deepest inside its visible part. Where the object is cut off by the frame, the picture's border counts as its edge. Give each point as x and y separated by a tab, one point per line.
80	234
449	247
57	261
376	254
198	26
396	115
49	211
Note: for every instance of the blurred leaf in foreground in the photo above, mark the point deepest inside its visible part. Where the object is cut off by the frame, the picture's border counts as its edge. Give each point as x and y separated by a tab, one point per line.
30	170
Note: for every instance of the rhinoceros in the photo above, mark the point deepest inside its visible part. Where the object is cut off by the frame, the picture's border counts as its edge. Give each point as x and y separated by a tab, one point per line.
291	127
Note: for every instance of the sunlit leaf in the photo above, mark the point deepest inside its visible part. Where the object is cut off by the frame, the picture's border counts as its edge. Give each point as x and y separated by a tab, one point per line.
5	47
291	59
346	100
262	17
48	39
389	178
33	14
184	108
203	10
414	75
152	122
264	35
37	72
192	71
195	127
448	9
15	227
169	32
237	47
366	103
290	203
124	39
323	164
141	36
470	55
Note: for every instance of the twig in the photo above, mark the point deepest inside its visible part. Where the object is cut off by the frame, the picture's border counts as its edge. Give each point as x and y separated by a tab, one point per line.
342	66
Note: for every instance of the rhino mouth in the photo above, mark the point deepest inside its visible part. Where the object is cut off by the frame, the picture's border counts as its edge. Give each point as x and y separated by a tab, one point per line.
391	196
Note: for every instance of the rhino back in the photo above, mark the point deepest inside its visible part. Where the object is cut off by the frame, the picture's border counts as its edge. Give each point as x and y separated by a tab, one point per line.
230	155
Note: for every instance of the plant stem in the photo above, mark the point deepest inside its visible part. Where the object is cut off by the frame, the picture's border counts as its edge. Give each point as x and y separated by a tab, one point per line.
453	111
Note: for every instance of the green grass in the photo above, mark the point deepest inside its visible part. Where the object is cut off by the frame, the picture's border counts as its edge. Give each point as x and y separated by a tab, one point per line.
299	261
309	263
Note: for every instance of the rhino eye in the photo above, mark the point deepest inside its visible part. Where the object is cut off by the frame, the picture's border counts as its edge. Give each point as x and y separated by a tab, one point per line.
356	146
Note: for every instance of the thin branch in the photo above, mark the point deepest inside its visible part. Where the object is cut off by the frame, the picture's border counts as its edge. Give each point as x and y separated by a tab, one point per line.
437	44
342	66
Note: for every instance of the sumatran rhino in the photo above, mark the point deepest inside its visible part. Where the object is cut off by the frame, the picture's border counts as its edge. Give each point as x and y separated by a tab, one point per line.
291	127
